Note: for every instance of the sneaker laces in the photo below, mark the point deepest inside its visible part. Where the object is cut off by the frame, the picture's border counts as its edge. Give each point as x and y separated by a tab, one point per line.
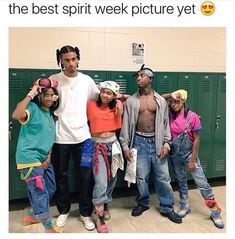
216	214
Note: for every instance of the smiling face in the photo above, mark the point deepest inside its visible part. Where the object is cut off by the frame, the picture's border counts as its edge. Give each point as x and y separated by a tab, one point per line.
47	98
208	8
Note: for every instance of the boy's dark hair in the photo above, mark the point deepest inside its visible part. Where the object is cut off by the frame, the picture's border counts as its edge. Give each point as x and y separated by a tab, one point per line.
186	110
54	106
112	104
64	50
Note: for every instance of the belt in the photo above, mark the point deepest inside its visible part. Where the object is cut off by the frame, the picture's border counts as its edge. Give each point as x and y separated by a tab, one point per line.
143	134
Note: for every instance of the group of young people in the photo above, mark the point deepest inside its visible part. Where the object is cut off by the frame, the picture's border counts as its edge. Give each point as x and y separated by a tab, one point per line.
68	116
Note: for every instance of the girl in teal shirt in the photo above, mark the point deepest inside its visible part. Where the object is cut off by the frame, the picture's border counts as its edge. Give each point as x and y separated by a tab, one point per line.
33	153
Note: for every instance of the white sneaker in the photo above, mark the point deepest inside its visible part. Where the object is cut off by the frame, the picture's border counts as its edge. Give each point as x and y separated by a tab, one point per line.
61	220
88	223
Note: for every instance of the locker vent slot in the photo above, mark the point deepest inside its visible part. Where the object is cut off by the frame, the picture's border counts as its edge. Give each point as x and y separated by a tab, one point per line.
203	164
222	87
16	85
165	85
96	78
122	84
206	86
19	185
186	84
219	165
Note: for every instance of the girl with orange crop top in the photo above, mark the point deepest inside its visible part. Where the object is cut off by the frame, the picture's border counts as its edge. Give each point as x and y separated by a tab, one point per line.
104	121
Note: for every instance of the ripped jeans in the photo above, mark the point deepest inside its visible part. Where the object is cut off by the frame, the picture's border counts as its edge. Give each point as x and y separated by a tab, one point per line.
103	189
40	188
147	160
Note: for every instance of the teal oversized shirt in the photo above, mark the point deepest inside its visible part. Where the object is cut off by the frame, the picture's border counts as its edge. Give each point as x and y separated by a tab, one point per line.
36	137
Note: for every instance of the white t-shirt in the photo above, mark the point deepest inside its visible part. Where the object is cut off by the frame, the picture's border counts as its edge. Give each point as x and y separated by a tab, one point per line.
74	92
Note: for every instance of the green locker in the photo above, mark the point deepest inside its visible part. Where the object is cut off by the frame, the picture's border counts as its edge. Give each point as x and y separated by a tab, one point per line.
219	147
188	81
205	108
127	83
36	74
165	82
126	80
18	86
97	76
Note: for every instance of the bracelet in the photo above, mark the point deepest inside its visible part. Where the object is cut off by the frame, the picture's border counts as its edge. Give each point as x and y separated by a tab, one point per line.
29	97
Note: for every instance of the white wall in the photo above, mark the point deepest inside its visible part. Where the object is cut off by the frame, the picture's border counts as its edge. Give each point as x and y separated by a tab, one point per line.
166	49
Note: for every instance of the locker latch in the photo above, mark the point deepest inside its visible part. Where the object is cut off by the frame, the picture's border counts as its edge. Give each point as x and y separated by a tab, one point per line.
10	128
217	122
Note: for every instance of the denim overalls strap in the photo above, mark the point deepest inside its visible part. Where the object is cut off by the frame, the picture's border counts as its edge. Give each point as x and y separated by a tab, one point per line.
182	145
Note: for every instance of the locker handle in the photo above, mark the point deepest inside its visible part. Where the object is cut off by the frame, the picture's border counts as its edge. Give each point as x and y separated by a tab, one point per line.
10	128
217	122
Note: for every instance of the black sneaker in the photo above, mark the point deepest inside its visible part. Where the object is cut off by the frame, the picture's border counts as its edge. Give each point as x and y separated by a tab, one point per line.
174	217
137	211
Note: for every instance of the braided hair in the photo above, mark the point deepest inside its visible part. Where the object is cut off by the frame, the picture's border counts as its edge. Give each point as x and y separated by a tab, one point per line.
64	50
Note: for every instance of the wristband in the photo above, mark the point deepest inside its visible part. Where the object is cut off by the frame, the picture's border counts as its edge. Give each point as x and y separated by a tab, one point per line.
166	145
32	93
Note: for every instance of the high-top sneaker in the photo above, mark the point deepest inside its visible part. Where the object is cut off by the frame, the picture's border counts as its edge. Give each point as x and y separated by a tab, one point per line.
215	213
184	208
100	225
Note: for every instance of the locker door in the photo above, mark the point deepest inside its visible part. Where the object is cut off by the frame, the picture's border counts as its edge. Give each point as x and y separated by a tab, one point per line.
97	76
36	74
127	85
219	152
165	82
18	86
188	81
206	105
126	81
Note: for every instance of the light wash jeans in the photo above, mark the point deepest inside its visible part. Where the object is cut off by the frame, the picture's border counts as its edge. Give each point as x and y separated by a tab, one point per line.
40	187
103	189
180	155
147	159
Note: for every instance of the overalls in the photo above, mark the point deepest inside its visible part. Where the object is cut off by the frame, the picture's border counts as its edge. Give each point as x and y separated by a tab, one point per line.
181	151
40	188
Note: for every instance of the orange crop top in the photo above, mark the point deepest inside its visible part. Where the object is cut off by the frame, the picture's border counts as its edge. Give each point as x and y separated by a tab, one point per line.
102	119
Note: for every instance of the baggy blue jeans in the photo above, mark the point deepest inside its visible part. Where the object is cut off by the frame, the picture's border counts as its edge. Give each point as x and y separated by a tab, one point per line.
180	155
41	187
103	189
147	159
